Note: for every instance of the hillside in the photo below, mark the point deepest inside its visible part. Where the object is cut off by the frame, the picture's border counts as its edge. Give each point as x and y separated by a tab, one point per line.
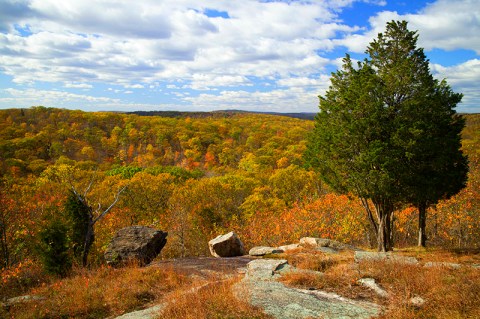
195	177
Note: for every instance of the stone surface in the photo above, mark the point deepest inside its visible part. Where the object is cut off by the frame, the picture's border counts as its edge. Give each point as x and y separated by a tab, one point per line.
289	247
324	242
264	250
372	284
149	313
228	245
380	256
327	250
417	302
22	299
283	302
139	243
443	264
264	269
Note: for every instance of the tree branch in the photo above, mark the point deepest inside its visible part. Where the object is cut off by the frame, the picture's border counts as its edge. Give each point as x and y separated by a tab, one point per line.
117	197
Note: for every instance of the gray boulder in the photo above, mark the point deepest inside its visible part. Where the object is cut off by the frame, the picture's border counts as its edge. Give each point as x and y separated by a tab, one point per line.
443	264
372	284
381	256
264	250
228	245
136	243
289	247
324	242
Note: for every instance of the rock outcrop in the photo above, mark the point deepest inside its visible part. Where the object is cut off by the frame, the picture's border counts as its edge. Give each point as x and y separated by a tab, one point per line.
262	290
136	243
327	243
228	245
372	284
264	250
381	256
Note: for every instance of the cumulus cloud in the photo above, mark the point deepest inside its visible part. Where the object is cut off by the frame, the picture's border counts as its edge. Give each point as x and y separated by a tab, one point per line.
28	97
442	24
121	42
221	46
78	86
463	78
281	100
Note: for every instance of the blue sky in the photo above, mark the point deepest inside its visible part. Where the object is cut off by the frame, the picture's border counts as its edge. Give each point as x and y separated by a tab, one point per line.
193	55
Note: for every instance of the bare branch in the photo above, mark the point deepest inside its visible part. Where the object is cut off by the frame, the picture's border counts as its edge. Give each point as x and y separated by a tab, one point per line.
117	197
92	180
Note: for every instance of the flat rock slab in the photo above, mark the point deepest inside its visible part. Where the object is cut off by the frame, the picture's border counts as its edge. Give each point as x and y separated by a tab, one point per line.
372	284
149	313
289	247
264	269
325	242
283	302
264	250
327	250
443	264
201	266
380	256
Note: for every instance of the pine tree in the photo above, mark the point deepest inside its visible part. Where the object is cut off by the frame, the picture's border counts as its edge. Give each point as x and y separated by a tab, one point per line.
54	249
387	132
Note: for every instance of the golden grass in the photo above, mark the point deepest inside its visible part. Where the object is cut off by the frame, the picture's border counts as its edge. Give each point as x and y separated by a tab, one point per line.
100	293
214	301
108	292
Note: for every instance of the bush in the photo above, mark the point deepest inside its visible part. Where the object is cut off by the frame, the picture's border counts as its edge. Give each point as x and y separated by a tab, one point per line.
54	249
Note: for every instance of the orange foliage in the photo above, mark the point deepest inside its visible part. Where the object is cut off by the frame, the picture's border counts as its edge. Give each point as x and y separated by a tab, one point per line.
330	216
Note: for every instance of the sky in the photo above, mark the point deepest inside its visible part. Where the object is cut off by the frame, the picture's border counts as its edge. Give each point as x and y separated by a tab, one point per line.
204	55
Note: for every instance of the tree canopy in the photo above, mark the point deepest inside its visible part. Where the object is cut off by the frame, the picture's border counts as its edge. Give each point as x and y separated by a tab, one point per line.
387	131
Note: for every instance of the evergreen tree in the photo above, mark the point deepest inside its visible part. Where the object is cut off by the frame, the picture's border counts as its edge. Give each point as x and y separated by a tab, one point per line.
387	131
54	249
80	215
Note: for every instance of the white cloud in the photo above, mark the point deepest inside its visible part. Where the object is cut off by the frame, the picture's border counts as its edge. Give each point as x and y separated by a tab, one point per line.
463	78
141	42
321	83
206	81
443	24
134	86
287	100
149	44
78	85
28	97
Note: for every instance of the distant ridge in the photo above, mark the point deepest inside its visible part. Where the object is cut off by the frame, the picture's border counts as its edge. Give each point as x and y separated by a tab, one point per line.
221	113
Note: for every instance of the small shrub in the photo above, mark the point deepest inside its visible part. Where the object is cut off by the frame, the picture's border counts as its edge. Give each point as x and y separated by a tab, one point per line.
54	249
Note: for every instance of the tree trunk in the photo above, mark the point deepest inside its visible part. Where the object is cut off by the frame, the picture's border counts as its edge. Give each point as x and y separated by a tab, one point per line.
89	238
5	252
422	222
384	215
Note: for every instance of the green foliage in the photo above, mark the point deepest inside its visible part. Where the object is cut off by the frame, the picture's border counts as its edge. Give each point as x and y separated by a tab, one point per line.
124	171
179	173
387	131
78	214
54	248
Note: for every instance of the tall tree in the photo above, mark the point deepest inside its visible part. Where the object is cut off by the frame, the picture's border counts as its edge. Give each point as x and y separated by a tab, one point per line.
379	129
427	128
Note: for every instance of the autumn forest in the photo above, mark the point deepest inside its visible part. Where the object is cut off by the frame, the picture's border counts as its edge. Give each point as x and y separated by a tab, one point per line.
194	178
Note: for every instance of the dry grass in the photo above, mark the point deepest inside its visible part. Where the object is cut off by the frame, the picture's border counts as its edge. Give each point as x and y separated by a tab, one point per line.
108	292
214	301
100	293
449	293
